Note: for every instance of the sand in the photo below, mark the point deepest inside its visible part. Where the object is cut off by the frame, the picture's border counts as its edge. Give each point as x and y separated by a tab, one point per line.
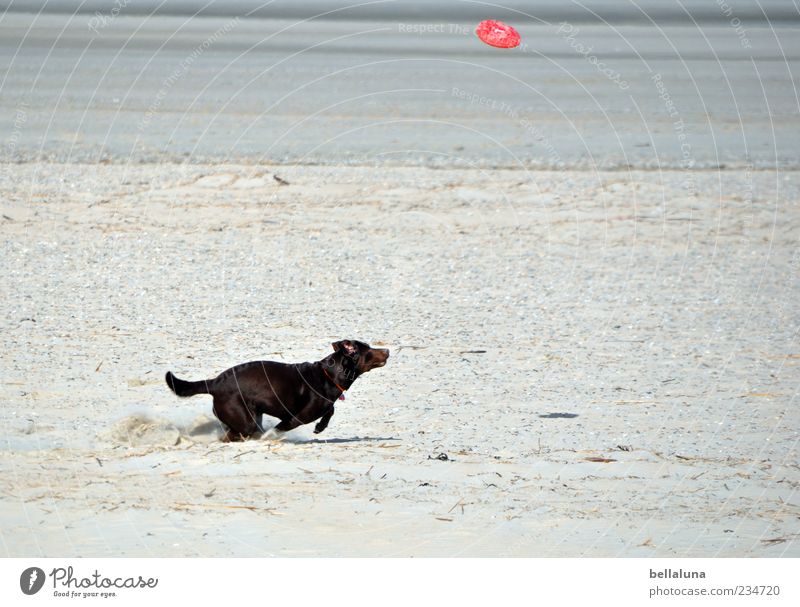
583	363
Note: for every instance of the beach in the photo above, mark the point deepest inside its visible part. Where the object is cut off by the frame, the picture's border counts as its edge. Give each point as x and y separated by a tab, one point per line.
582	255
626	390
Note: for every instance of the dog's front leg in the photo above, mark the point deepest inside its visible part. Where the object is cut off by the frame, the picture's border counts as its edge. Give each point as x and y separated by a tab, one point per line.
323	421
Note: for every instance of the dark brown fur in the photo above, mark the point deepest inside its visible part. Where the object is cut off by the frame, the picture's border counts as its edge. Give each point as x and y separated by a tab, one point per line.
296	394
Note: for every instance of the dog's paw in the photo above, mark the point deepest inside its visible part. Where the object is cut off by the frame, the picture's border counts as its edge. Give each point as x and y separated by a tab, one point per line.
272	434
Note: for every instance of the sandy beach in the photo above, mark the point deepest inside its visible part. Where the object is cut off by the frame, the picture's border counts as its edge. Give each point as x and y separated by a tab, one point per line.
624	386
582	253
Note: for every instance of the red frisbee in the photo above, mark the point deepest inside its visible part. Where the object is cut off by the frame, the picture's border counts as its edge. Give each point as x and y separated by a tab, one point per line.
497	33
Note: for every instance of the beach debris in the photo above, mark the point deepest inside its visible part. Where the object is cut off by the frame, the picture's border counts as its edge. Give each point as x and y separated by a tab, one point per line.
426	484
441	518
280	180
684	457
497	34
624	447
774	540
217	180
600	460
461	503
402	347
243	453
135	382
185	506
210	493
762	394
98	366
442	457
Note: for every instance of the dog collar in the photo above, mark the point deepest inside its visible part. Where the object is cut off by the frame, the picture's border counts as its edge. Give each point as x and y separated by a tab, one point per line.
328	375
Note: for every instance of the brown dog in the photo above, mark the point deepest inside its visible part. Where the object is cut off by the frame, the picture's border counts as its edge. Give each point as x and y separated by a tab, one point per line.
296	394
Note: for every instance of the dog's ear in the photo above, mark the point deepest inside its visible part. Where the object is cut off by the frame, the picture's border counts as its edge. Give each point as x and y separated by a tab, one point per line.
346	346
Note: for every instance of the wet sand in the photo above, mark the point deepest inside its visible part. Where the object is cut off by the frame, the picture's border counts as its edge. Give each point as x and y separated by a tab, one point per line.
628	93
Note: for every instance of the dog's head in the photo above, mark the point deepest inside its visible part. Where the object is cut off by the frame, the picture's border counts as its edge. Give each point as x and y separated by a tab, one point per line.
356	357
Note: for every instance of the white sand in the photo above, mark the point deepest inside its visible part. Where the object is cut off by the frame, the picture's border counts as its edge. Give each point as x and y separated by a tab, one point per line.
615	316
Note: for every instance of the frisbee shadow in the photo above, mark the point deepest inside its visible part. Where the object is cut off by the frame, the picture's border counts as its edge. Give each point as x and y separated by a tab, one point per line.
559	416
334	441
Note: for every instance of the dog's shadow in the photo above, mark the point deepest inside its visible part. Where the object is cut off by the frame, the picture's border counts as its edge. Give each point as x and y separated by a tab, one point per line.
298	440
205	427
558	415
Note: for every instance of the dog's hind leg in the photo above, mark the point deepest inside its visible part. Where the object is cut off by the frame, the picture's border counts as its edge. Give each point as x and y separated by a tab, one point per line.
233	413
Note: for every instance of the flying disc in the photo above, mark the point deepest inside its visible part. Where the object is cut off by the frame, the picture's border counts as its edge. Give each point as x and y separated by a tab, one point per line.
497	33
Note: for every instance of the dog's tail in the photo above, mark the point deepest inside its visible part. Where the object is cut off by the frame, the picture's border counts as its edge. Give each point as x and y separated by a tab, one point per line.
186	388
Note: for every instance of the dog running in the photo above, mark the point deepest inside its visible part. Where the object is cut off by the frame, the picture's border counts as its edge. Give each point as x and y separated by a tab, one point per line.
295	393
